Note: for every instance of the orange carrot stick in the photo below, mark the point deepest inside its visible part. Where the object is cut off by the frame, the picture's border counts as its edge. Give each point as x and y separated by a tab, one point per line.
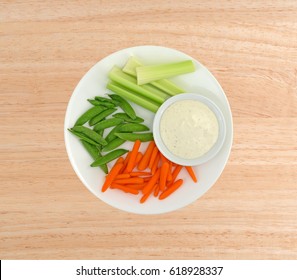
141	173
153	157
146	179
134	180
144	197
156	163
169	174
171	189
133	155
126	161
156	191
151	183
143	164
164	159
192	173
111	175
124	188
136	186
122	176
176	171
163	175
138	158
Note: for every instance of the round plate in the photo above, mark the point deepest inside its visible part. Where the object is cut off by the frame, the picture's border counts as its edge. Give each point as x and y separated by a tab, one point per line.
94	83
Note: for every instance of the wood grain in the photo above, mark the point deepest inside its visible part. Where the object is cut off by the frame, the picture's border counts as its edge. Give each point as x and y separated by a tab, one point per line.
47	46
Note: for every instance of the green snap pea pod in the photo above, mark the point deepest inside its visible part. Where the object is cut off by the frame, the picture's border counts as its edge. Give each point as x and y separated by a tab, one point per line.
100	103
113	144
95	154
100	132
110	136
101	116
126	118
133	127
90	134
107	123
143	137
89	114
85	138
127	108
106	99
109	157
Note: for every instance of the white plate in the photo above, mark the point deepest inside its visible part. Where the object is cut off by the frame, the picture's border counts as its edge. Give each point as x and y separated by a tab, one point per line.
94	82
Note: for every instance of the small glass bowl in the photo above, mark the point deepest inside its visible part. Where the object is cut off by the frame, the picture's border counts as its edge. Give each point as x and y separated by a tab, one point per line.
208	155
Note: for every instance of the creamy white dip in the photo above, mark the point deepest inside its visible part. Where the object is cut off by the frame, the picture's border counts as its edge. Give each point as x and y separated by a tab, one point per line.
189	129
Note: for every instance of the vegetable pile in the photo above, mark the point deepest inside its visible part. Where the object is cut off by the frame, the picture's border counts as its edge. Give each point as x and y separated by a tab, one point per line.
147	173
126	127
111	121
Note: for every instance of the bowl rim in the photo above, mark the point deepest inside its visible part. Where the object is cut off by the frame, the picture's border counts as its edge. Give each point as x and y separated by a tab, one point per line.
215	148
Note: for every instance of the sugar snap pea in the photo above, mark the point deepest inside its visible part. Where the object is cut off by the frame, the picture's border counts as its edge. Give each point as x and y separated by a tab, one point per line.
84	137
95	154
89	114
126	118
110	136
100	132
143	137
113	144
133	127
100	103
90	134
107	123
127	108
109	157
106	99
101	116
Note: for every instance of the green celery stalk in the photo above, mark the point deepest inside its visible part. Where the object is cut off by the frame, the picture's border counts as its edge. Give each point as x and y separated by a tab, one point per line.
126	81
164	84
132	96
147	74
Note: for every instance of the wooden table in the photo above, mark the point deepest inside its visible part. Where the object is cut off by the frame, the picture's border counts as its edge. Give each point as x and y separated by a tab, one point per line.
47	46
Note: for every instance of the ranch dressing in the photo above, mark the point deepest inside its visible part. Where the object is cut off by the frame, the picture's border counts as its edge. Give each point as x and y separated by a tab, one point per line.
189	129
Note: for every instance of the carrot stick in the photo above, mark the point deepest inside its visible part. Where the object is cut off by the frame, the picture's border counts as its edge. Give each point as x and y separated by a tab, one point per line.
172	189
169	174
153	157
122	176
176	171
192	173
143	164
151	183
112	174
156	191
133	155
136	174
156	163
134	180
144	197
146	179
163	175
126	161
124	188
164	159
138	158
136	186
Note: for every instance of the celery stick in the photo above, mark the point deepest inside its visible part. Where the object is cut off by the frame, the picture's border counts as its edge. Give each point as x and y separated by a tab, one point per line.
130	66
147	74
126	81
134	97
164	84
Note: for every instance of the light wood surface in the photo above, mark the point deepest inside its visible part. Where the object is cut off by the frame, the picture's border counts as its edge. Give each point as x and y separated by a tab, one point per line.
47	46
